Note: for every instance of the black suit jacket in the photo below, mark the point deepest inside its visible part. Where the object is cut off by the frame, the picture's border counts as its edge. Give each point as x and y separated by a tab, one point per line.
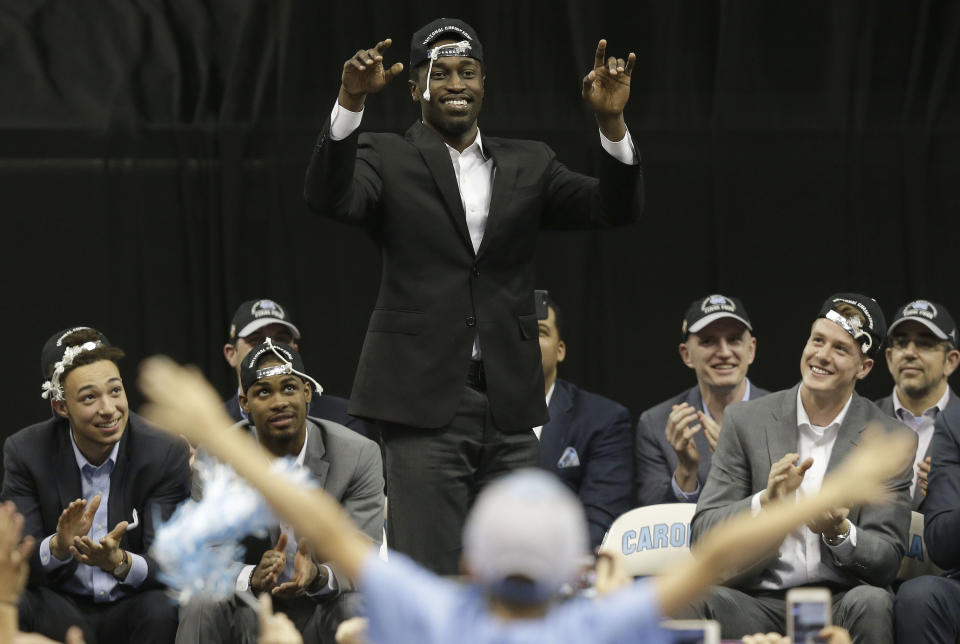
435	293
941	529
599	431
655	456
41	477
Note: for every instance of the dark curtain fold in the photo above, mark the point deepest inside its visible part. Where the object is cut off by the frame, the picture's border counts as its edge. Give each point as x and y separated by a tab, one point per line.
152	155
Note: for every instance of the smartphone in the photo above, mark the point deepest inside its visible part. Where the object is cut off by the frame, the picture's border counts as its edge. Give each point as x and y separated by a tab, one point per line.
808	612
692	631
540	304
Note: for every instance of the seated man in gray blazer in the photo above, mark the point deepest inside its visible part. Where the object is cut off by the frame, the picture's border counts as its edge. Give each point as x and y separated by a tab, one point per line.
676	439
345	464
921	354
783	445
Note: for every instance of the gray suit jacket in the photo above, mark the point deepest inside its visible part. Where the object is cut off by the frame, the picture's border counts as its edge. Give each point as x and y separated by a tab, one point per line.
348	467
756	434
656	459
886	405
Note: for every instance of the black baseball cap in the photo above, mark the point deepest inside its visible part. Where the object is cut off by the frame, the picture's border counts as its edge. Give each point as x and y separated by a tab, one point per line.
54	347
444	27
934	316
869	336
256	314
709	309
250	374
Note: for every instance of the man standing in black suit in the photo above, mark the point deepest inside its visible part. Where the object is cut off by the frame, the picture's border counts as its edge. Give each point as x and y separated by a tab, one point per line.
588	441
90	482
450	365
921	354
676	438
253	322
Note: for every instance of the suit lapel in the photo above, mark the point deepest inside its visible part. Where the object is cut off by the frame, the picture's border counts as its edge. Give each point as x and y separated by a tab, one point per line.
437	157
315	460
67	472
783	436
849	434
554	435
116	507
504	179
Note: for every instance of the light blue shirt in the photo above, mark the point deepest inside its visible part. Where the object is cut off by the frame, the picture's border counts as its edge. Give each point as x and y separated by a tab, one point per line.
91	581
407	604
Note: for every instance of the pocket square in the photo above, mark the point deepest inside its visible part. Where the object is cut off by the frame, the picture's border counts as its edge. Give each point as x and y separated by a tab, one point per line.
569	458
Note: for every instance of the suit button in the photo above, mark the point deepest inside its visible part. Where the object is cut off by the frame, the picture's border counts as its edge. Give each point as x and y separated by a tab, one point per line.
471	321
476	271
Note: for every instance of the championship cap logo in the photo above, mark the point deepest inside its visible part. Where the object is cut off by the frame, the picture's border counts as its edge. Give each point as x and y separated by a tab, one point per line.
267	308
713	303
921	308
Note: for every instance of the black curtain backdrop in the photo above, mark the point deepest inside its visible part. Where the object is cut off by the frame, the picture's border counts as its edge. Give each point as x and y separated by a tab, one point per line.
152	154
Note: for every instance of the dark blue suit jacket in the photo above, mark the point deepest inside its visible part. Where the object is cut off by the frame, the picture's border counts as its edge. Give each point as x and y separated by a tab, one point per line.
656	458
41	477
600	431
941	530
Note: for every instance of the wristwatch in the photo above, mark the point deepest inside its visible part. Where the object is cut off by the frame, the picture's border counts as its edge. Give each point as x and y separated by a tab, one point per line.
838	539
123	566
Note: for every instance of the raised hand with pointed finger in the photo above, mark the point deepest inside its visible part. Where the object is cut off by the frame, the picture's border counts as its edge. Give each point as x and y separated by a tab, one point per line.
364	73
606	90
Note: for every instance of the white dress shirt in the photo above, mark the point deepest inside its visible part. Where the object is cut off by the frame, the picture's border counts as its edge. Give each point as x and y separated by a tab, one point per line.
922	424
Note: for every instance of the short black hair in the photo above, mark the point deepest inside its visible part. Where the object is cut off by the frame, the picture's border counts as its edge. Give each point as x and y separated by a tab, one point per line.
557	316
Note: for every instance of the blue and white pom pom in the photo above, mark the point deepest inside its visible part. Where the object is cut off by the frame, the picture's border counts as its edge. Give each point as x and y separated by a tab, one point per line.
198	548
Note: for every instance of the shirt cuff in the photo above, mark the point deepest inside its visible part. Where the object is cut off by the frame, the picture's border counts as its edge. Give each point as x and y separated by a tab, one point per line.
623	150
47	559
331	586
755	506
138	571
680	495
243	579
843	552
343	122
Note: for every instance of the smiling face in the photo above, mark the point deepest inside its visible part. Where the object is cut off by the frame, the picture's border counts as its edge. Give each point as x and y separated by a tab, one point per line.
919	361
831	362
95	403
720	353
277	406
456	96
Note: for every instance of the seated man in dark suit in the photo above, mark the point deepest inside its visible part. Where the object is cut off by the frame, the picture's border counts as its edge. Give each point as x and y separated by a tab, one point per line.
782	446
587	441
90	482
345	464
925	610
676	438
253	322
921	354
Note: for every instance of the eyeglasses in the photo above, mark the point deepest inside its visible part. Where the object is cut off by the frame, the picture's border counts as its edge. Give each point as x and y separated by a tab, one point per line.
921	342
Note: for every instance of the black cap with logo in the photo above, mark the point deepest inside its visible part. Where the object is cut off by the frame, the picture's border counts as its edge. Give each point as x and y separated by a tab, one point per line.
451	28
709	309
934	316
54	347
869	336
256	314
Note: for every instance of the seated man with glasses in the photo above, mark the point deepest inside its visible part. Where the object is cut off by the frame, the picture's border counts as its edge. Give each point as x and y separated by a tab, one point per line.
921	354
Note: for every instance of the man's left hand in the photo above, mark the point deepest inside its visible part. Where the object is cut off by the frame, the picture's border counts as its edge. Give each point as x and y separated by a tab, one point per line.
105	554
606	90
831	523
304	573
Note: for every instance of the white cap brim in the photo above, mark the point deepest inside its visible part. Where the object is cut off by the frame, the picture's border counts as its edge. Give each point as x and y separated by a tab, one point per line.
266	321
927	323
713	317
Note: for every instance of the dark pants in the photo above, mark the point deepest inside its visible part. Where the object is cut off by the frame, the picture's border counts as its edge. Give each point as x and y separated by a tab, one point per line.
434	475
927	611
149	616
865	611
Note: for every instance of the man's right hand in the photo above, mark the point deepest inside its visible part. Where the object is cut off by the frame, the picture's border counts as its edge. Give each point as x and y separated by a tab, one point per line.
74	521
271	566
785	477
364	73
679	433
